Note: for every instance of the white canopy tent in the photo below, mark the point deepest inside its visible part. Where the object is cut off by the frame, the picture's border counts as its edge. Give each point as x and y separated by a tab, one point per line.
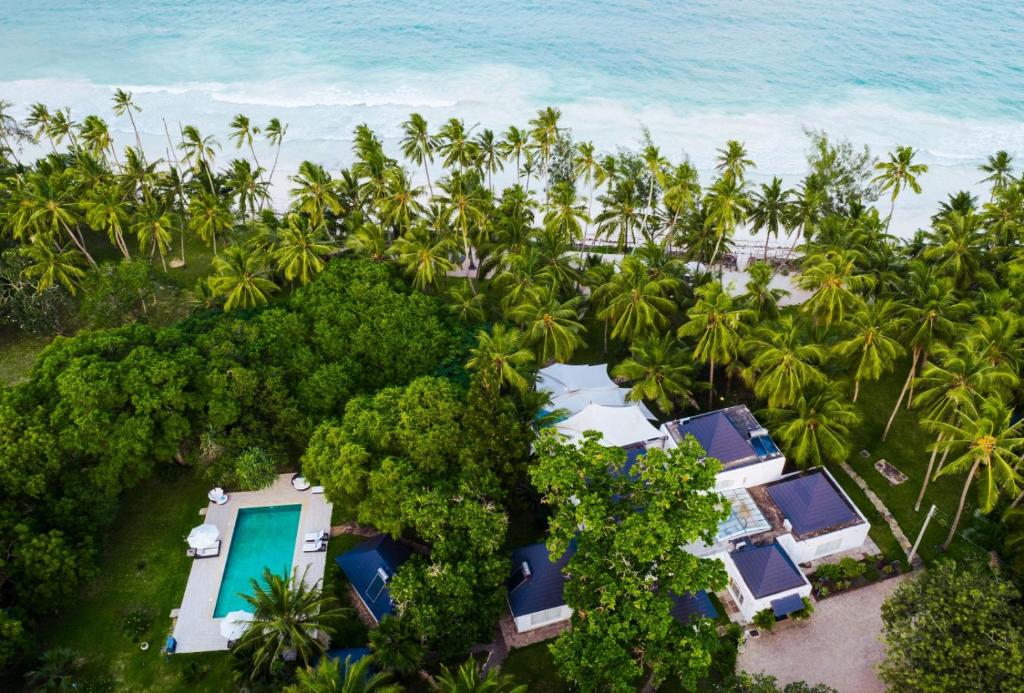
574	387
234	625
204	536
619	426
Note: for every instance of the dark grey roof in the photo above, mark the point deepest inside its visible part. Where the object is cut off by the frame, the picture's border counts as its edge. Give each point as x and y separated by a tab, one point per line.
784	606
811	503
361	566
543	588
717	434
767	569
689	606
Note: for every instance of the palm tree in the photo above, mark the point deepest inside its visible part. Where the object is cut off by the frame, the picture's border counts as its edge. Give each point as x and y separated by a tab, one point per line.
585	166
872	345
468	306
471	678
1000	338
544	133
62	127
199	152
418	145
733	162
655	164
327	677
957	246
661	372
898	173
489	158
275	132
455	145
816	429
991	446
96	137
209	217
124	105
154	229
301	248
465	205
636	303
718	324
242	276
955	381
834	279
53	209
288	614
425	255
564	215
551	325
728	207
501	359
106	209
57	671
395	645
770	211
760	296
315	192
805	210
782	366
39	118
512	146
998	169
369	241
244	132
620	213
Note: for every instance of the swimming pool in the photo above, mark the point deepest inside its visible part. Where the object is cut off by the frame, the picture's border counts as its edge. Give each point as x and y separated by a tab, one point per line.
264	537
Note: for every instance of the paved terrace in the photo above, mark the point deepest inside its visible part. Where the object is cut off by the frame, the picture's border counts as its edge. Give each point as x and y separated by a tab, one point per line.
196	630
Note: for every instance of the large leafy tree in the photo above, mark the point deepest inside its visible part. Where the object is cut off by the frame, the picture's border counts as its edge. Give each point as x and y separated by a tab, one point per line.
954	627
628	531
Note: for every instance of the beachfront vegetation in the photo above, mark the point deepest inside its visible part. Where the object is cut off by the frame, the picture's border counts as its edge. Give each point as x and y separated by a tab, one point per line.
383	335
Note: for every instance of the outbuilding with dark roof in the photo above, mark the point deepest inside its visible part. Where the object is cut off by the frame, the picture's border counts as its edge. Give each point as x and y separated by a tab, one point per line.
370	567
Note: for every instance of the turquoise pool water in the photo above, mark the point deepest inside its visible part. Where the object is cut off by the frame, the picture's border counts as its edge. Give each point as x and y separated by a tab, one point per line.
264	537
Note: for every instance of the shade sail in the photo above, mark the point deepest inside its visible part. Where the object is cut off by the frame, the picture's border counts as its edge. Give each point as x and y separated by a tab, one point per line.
204	536
618	426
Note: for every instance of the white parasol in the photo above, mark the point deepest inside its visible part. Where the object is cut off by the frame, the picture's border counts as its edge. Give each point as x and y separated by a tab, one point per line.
204	536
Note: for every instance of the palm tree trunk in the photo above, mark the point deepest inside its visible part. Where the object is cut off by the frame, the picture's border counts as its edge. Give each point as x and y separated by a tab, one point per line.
892	207
1017	500
942	461
910	394
277	153
714	253
928	474
79	242
903	392
767	237
856	389
138	140
711	383
960	508
426	172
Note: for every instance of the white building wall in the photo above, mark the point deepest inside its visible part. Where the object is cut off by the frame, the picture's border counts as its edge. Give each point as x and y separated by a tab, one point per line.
825	545
748	604
539	619
756	474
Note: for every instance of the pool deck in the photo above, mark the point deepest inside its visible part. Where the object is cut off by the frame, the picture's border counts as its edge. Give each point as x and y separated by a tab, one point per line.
196	630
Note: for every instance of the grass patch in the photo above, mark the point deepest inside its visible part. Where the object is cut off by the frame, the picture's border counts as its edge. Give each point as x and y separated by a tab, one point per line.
18	353
906	449
142	565
534	667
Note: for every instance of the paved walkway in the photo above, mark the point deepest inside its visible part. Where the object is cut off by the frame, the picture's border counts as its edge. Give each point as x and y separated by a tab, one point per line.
840	645
879	506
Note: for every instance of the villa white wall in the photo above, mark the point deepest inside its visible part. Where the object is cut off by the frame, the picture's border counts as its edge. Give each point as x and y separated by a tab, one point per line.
744	598
751	475
540	619
825	545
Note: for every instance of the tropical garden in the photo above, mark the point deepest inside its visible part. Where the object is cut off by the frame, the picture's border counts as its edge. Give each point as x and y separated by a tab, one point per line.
379	328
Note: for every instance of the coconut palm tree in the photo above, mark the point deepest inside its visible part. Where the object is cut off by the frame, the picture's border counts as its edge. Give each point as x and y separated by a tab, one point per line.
456	145
395	644
897	174
551	325
783	365
513	145
1004	217
49	267
956	380
369	241
53	210
469	307
241	276
62	127
57	671
199	152
872	345
728	207
655	165
661	372
637	304
471	678
244	132
991	448
565	215
125	105
39	118
275	132
106	209
806	209
332	676
717	323
834	279
418	145
770	211
817	429
620	213
998	169
301	249
153	228
246	186
465	204
209	218
425	255
733	162
1000	338
315	192
96	137
585	166
489	158
501	359
760	297
288	614
957	245
544	132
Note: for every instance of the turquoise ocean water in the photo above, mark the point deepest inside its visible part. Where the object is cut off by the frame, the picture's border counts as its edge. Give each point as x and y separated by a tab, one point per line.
263	538
946	77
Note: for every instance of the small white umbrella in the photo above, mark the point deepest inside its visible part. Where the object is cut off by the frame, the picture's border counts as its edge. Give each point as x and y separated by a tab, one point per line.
235	624
203	536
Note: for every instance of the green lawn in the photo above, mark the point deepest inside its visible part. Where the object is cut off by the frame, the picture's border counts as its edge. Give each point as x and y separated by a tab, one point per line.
142	564
905	448
533	666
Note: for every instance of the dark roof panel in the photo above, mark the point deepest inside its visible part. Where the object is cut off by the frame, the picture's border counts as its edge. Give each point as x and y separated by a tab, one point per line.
767	569
787	605
361	566
543	588
690	606
811	503
718	436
